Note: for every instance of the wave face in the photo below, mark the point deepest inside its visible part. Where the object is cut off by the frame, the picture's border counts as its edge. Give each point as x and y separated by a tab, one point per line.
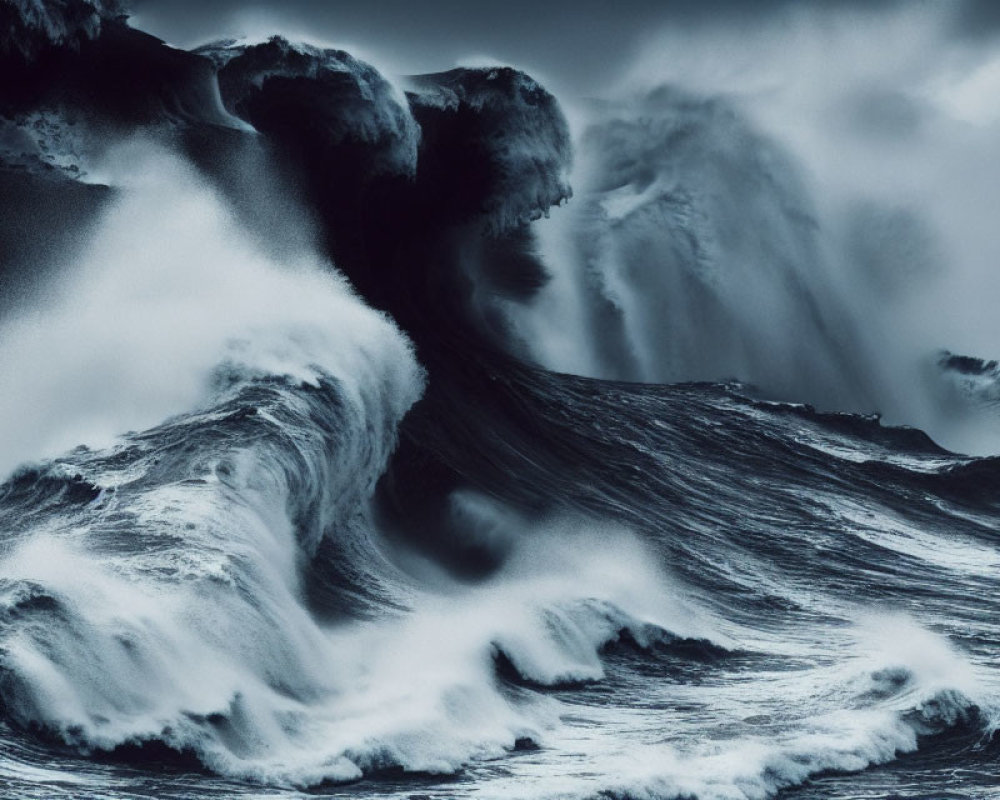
332	465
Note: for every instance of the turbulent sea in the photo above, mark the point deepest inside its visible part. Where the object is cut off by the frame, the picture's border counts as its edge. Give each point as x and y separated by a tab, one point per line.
395	438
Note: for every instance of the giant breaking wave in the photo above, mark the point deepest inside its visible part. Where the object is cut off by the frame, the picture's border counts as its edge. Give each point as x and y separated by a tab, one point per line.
322	465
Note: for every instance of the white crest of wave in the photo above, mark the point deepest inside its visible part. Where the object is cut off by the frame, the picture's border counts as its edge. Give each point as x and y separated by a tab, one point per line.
168	288
224	660
894	682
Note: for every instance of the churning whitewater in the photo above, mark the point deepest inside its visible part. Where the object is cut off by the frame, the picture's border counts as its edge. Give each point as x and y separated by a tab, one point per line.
430	436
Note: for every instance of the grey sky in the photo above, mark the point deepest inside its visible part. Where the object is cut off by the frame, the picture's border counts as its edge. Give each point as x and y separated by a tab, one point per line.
579	44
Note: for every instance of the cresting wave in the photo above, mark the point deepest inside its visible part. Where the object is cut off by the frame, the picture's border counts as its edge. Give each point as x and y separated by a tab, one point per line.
177	552
287	499
234	541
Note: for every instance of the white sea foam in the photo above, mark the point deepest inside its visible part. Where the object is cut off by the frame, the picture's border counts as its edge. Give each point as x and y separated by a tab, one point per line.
219	656
173	609
168	289
894	682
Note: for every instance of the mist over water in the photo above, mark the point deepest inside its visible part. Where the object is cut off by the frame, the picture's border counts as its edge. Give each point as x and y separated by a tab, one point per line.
804	204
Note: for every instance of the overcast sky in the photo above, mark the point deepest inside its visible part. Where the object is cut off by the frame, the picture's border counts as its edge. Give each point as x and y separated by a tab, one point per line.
578	44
